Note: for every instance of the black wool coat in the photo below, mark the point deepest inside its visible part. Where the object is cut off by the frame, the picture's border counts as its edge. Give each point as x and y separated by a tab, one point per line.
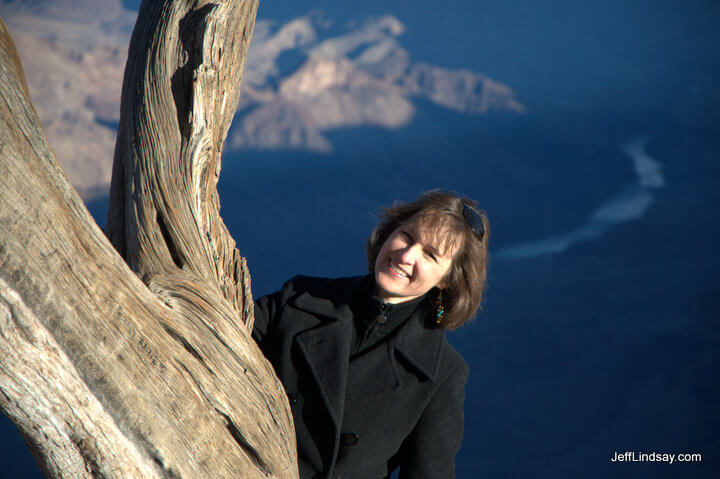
400	403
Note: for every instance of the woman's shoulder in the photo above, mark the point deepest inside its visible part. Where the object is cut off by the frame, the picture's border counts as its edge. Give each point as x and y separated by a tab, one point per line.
427	348
322	287
452	363
455	363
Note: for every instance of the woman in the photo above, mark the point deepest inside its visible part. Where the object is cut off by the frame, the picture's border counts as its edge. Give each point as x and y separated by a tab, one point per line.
372	382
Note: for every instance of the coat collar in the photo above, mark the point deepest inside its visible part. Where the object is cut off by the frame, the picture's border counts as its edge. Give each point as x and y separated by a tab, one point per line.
326	343
420	345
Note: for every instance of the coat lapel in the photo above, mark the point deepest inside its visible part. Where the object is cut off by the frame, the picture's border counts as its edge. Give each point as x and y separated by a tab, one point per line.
414	347
326	340
326	348
420	346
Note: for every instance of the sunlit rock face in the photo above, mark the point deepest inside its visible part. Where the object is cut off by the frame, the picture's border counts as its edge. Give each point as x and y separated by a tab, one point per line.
314	82
303	79
73	54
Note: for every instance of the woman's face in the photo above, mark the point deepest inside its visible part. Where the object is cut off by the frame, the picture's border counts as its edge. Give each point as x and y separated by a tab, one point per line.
410	263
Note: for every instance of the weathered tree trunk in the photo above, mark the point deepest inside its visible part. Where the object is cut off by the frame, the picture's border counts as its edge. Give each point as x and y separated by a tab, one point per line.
147	370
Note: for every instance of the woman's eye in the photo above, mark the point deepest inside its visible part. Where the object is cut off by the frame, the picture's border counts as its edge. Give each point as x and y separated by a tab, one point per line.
431	256
407	236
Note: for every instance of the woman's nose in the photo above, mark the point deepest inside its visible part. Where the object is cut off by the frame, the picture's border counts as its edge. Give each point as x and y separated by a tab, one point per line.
409	254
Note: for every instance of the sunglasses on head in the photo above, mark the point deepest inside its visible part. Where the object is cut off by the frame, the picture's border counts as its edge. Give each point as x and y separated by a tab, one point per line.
474	221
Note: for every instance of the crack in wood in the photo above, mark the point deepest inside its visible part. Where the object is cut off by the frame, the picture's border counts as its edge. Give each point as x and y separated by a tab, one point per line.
87	448
191	33
171	246
188	347
250	451
170	472
245	445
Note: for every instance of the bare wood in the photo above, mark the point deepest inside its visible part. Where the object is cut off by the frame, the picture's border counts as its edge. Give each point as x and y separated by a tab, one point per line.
66	448
164	209
105	374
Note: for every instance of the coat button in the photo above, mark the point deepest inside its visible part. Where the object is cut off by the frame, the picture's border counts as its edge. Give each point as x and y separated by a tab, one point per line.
381	318
292	399
349	438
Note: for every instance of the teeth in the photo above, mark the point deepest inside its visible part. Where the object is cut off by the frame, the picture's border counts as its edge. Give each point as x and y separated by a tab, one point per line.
404	275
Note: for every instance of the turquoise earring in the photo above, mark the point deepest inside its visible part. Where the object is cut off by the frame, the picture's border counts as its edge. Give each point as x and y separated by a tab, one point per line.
440	308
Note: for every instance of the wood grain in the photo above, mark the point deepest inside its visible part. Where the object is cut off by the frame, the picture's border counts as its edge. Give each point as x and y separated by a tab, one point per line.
134	359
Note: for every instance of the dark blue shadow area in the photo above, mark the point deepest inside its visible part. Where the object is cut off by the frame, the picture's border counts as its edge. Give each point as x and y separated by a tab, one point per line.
608	347
110	124
289	61
132	4
532	178
98	208
17	461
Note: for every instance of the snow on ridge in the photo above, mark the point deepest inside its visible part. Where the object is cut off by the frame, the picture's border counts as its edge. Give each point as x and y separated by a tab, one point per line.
372	31
630	204
648	170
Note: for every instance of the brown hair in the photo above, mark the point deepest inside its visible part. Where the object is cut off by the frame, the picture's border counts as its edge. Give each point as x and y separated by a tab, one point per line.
442	212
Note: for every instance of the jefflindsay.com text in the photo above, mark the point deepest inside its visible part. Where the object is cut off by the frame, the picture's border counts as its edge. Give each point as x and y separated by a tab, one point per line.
636	456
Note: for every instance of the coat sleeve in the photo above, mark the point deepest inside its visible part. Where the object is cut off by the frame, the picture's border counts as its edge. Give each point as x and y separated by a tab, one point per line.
429	451
267	309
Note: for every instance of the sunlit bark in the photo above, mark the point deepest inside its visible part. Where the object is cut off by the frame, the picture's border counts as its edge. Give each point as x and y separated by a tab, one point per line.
136	360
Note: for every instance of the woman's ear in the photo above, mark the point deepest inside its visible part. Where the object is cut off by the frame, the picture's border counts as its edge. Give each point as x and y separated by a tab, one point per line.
442	284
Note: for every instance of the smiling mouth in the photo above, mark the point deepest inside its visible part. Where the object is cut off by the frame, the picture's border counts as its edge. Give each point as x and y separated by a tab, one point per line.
397	271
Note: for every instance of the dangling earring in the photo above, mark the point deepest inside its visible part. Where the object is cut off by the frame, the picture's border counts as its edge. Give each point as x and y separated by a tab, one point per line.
440	308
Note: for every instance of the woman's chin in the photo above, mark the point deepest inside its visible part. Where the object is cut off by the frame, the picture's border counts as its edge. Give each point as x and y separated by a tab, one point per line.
391	288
